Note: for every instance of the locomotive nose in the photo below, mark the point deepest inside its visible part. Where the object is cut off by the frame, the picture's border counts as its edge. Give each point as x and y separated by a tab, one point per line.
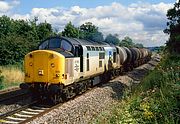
44	66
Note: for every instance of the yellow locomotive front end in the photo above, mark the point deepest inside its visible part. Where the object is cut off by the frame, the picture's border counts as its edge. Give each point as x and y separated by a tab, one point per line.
44	73
45	69
44	66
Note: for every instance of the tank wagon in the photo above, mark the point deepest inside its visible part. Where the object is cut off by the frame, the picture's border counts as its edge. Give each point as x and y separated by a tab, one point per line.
64	67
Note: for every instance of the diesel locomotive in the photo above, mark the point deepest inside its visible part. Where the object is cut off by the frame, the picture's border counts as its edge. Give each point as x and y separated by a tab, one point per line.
63	67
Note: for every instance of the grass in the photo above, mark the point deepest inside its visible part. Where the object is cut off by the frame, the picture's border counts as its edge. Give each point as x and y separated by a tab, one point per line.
10	76
155	101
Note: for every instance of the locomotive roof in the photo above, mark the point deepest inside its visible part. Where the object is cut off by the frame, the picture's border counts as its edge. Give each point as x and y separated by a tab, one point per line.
83	42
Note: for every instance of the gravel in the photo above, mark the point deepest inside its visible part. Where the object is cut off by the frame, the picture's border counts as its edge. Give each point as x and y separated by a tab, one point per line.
85	108
7	108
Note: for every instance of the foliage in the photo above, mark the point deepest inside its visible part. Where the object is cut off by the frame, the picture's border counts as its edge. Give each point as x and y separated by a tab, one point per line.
97	36
5	26
88	28
18	37
159	94
85	31
1	81
13	48
44	30
71	31
112	39
155	100
160	91
127	42
173	28
139	45
90	31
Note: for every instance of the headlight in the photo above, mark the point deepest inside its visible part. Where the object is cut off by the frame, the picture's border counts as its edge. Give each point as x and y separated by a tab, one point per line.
41	72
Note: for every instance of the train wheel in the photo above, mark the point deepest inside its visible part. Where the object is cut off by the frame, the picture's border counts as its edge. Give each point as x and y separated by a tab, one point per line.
35	94
64	96
54	99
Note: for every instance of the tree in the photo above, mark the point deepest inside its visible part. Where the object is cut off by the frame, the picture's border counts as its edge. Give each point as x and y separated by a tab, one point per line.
20	27
85	31
127	42
5	26
90	31
97	36
44	30
88	27
173	28
112	39
12	49
139	45
18	37
71	31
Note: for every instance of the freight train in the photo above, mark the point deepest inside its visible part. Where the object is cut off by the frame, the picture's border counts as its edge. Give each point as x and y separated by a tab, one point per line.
64	67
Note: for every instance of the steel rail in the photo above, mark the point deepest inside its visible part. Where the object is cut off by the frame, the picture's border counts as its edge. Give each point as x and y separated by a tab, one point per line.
8	96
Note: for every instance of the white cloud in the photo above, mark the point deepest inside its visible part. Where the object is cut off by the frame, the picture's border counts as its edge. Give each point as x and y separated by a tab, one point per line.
143	22
4	6
24	17
7	6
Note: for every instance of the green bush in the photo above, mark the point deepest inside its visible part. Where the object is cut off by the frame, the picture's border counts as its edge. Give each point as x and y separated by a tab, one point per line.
1	81
155	101
18	37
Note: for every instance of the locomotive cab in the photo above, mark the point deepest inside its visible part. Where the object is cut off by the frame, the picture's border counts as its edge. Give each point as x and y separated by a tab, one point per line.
46	66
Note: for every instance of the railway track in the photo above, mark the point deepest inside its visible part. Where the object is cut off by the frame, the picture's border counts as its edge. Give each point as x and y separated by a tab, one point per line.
26	112
31	111
12	94
9	90
20	115
23	114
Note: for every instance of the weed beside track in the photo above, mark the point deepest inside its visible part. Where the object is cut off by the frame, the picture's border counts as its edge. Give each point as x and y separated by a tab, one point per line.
155	100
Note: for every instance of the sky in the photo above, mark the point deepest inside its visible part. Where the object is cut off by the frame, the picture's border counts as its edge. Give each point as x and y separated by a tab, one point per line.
141	20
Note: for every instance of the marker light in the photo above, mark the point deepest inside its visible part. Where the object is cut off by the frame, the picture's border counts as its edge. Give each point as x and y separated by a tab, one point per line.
30	55
52	65
57	75
30	64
